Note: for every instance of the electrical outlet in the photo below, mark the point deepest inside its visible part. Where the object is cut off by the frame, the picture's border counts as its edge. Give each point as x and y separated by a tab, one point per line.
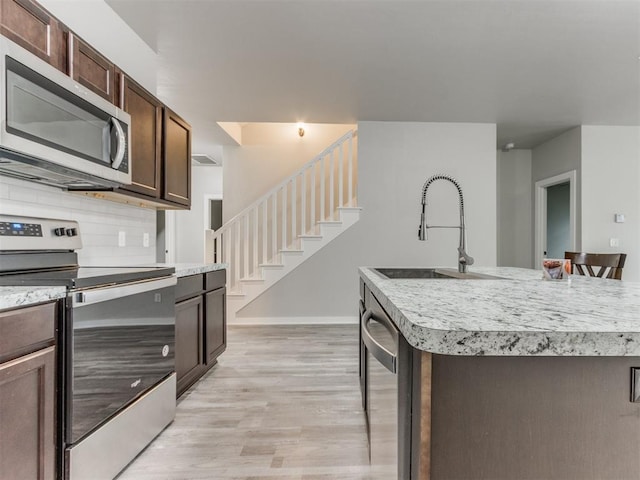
145	239
614	242
122	239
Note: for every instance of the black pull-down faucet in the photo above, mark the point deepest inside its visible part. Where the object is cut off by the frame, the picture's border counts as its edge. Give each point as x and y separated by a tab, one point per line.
464	259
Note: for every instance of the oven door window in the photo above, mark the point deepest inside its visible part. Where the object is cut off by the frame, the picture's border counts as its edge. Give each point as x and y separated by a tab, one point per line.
121	346
45	113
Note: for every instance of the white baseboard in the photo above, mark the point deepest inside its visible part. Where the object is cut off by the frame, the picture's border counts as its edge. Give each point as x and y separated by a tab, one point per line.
294	321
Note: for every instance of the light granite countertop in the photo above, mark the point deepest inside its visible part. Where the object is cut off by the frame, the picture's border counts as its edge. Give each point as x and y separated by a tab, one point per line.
186	269
518	315
15	297
22	296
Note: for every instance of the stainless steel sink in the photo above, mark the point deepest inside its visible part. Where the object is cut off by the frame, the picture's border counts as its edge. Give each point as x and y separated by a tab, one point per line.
443	273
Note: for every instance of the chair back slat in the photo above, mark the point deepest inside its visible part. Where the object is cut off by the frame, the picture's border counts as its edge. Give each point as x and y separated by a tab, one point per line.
610	264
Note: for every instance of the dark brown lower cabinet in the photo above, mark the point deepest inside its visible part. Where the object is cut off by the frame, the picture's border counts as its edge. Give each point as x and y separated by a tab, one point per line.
189	360
27	393
201	325
215	325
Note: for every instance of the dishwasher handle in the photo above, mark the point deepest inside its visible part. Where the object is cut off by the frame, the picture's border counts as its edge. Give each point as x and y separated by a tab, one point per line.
387	358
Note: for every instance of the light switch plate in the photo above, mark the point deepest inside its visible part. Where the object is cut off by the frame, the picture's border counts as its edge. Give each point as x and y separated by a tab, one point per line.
614	242
122	239
635	385
145	239
619	218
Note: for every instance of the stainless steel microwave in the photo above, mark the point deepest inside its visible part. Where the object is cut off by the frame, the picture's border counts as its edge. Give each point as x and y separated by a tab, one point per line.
55	131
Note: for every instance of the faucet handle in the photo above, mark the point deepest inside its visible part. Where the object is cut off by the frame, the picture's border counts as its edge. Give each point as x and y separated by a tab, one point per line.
464	258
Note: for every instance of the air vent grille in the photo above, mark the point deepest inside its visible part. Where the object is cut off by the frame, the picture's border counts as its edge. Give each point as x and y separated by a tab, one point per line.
203	159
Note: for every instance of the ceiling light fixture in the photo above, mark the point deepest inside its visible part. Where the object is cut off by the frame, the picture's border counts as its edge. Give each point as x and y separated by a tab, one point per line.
508	146
301	129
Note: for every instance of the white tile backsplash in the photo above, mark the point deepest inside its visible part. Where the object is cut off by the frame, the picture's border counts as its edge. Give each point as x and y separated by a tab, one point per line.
99	221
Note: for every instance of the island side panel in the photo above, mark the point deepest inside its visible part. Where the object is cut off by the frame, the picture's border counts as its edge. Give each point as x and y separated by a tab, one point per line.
517	418
421	458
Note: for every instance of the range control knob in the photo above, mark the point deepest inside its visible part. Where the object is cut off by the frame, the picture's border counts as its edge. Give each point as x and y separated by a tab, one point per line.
71	232
59	232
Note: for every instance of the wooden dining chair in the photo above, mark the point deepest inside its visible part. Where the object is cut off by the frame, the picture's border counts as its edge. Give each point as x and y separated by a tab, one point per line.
610	264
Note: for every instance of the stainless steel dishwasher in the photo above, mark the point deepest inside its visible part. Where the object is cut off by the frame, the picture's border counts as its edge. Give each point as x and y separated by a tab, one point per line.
388	400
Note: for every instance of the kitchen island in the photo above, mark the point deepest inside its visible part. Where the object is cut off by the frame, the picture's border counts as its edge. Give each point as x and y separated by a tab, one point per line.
512	378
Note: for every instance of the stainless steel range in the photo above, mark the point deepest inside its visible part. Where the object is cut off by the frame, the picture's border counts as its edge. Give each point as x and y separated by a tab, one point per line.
116	368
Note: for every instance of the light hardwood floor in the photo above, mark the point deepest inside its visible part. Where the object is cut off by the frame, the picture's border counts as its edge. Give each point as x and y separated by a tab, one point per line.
283	403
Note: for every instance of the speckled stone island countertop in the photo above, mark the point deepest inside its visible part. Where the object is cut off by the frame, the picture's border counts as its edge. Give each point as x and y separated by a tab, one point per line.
518	315
15	297
186	269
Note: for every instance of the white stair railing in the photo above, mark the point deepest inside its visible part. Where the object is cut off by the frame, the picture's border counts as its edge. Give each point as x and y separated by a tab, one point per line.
275	222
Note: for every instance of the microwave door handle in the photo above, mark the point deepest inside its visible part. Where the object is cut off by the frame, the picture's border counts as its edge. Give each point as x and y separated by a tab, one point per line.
121	142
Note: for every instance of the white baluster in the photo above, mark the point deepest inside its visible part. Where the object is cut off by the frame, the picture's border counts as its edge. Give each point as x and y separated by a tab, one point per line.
340	175
331	181
312	210
227	257
274	227
246	245
255	241
322	197
284	217
294	209
350	168
303	203
236	244
265	238
218	249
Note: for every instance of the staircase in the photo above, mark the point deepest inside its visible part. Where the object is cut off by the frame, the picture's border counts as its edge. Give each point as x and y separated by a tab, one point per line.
278	232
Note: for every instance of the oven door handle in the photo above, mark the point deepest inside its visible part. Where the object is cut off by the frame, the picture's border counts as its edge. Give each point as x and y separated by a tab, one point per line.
98	295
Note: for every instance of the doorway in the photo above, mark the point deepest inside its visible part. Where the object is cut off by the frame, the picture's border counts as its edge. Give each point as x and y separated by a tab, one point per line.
215	214
213	221
555	216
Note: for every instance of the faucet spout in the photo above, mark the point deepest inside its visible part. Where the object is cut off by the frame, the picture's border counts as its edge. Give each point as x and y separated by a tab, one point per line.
464	259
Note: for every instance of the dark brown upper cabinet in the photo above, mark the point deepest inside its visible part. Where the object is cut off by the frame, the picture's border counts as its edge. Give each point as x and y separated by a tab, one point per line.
146	137
32	27
90	69
160	139
176	159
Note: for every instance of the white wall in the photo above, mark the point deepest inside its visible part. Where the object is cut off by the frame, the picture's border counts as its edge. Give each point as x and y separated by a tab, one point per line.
610	180
394	161
560	155
97	23
190	224
515	209
270	152
99	220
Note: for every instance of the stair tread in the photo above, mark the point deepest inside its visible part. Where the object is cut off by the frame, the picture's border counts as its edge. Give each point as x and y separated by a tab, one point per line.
252	280
319	237
271	265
